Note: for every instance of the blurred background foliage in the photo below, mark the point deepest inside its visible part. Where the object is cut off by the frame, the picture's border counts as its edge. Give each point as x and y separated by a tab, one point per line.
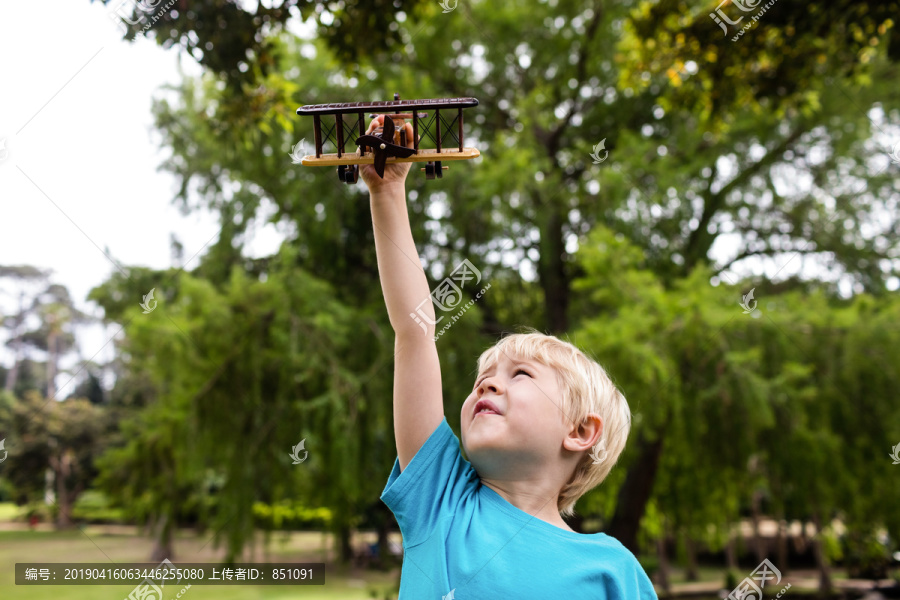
731	164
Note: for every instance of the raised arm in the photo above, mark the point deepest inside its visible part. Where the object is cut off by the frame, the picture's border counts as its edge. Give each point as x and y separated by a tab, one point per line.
418	403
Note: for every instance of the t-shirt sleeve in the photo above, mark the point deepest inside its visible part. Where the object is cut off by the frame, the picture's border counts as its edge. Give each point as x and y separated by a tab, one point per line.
640	584
630	581
431	485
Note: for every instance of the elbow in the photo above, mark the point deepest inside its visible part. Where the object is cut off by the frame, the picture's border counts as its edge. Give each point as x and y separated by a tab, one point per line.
414	329
420	323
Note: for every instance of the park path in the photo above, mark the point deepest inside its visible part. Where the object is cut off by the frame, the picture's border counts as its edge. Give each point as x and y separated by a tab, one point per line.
799	580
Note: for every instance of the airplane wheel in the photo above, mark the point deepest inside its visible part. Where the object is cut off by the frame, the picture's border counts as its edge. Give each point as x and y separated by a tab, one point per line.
430	170
438	170
348	173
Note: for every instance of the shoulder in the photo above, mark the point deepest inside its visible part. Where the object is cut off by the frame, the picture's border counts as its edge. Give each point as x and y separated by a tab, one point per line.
616	553
624	568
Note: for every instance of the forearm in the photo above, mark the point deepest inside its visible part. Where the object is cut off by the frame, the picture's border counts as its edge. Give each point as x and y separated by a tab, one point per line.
403	281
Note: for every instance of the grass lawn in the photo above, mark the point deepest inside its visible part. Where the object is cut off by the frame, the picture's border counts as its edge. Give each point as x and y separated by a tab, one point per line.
8	511
95	545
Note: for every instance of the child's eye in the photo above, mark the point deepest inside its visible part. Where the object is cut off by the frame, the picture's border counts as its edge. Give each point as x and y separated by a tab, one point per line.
516	372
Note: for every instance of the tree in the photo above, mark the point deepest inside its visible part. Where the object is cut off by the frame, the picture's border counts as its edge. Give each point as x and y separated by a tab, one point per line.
243	373
788	61
234	41
65	438
56	317
14	323
152	470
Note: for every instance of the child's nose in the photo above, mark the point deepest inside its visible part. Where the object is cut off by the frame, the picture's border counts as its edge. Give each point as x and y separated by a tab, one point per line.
487	384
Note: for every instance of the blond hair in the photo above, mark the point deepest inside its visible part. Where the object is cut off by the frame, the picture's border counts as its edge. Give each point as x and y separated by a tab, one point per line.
586	388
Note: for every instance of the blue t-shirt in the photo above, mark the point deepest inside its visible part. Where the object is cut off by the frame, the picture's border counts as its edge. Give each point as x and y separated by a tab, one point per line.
461	536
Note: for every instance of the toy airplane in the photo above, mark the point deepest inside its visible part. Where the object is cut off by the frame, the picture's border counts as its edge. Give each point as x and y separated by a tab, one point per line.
388	144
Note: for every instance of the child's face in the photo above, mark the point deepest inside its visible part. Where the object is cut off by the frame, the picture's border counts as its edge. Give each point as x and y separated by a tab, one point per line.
530	427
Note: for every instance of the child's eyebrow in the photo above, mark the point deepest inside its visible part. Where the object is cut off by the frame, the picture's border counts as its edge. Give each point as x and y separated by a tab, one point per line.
515	363
481	374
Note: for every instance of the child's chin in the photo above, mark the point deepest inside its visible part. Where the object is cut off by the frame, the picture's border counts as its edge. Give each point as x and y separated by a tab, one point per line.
481	439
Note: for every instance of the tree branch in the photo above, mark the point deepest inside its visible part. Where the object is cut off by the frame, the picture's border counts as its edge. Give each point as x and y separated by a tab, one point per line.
700	239
580	73
766	252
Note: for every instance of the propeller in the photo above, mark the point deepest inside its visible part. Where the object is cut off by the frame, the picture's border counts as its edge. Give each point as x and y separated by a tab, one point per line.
383	146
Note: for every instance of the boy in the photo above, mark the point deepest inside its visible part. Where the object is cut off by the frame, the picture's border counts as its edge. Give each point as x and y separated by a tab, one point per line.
542	426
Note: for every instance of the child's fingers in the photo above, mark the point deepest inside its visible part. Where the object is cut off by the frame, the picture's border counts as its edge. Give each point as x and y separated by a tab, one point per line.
376	122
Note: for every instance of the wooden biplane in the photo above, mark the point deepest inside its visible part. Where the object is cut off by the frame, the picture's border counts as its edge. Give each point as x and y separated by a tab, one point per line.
387	144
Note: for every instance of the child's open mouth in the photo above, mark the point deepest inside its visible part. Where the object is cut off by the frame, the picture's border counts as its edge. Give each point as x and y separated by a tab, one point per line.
485	407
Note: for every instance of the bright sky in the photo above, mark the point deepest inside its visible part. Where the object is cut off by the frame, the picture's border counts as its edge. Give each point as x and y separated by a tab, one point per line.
78	172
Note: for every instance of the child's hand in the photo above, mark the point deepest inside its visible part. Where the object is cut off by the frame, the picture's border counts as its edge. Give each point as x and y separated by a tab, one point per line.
393	172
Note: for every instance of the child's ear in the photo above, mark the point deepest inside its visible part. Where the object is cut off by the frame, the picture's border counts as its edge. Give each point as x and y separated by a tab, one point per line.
586	434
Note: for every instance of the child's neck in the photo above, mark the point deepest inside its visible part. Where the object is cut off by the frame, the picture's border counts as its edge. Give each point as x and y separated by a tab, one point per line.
543	512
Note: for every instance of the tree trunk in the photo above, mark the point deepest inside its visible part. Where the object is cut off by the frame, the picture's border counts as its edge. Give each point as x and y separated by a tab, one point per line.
663	572
384	550
267	546
63	467
576	522
13	374
801	541
691	551
635	492
821	560
782	546
553	272
162	545
758	543
346	548
49	484
731	553
51	359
